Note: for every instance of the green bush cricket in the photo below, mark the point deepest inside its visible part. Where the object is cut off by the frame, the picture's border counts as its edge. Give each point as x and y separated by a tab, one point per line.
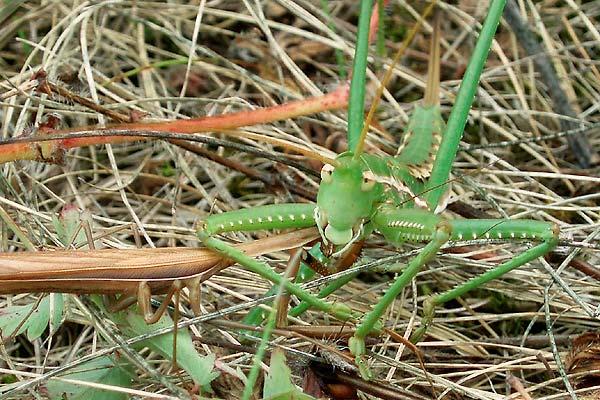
398	196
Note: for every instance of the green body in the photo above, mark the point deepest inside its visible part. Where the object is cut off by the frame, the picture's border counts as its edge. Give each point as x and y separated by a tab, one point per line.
398	196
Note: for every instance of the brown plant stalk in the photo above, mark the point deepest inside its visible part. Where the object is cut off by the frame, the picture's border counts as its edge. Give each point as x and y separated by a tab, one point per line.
53	150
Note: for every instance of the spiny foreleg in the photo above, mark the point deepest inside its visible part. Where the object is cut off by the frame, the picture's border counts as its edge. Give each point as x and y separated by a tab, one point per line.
548	233
283	216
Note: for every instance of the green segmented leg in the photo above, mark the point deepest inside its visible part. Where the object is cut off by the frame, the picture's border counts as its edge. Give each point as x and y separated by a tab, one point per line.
266	217
256	315
519	229
323	265
326	291
440	233
459	114
276	216
402	225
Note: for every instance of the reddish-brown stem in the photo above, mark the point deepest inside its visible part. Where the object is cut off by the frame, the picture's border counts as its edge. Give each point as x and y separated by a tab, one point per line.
52	150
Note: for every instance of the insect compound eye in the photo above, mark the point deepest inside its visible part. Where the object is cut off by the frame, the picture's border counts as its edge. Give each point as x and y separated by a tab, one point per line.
368	183
326	173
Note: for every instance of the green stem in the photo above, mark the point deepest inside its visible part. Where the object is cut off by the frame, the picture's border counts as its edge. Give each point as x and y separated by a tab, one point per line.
356	107
464	100
260	353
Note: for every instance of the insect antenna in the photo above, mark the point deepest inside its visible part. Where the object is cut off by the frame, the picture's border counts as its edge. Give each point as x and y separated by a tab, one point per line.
448	181
586	129
386	79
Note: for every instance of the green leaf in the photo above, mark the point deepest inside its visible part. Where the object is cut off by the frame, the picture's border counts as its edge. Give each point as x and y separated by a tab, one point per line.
200	368
278	382
11	319
103	370
15	320
67	224
45	314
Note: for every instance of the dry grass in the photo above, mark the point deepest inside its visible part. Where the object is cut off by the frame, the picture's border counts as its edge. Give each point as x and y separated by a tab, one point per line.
167	61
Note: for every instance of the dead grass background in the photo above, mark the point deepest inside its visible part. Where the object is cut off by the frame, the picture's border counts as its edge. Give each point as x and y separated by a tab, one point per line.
173	60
